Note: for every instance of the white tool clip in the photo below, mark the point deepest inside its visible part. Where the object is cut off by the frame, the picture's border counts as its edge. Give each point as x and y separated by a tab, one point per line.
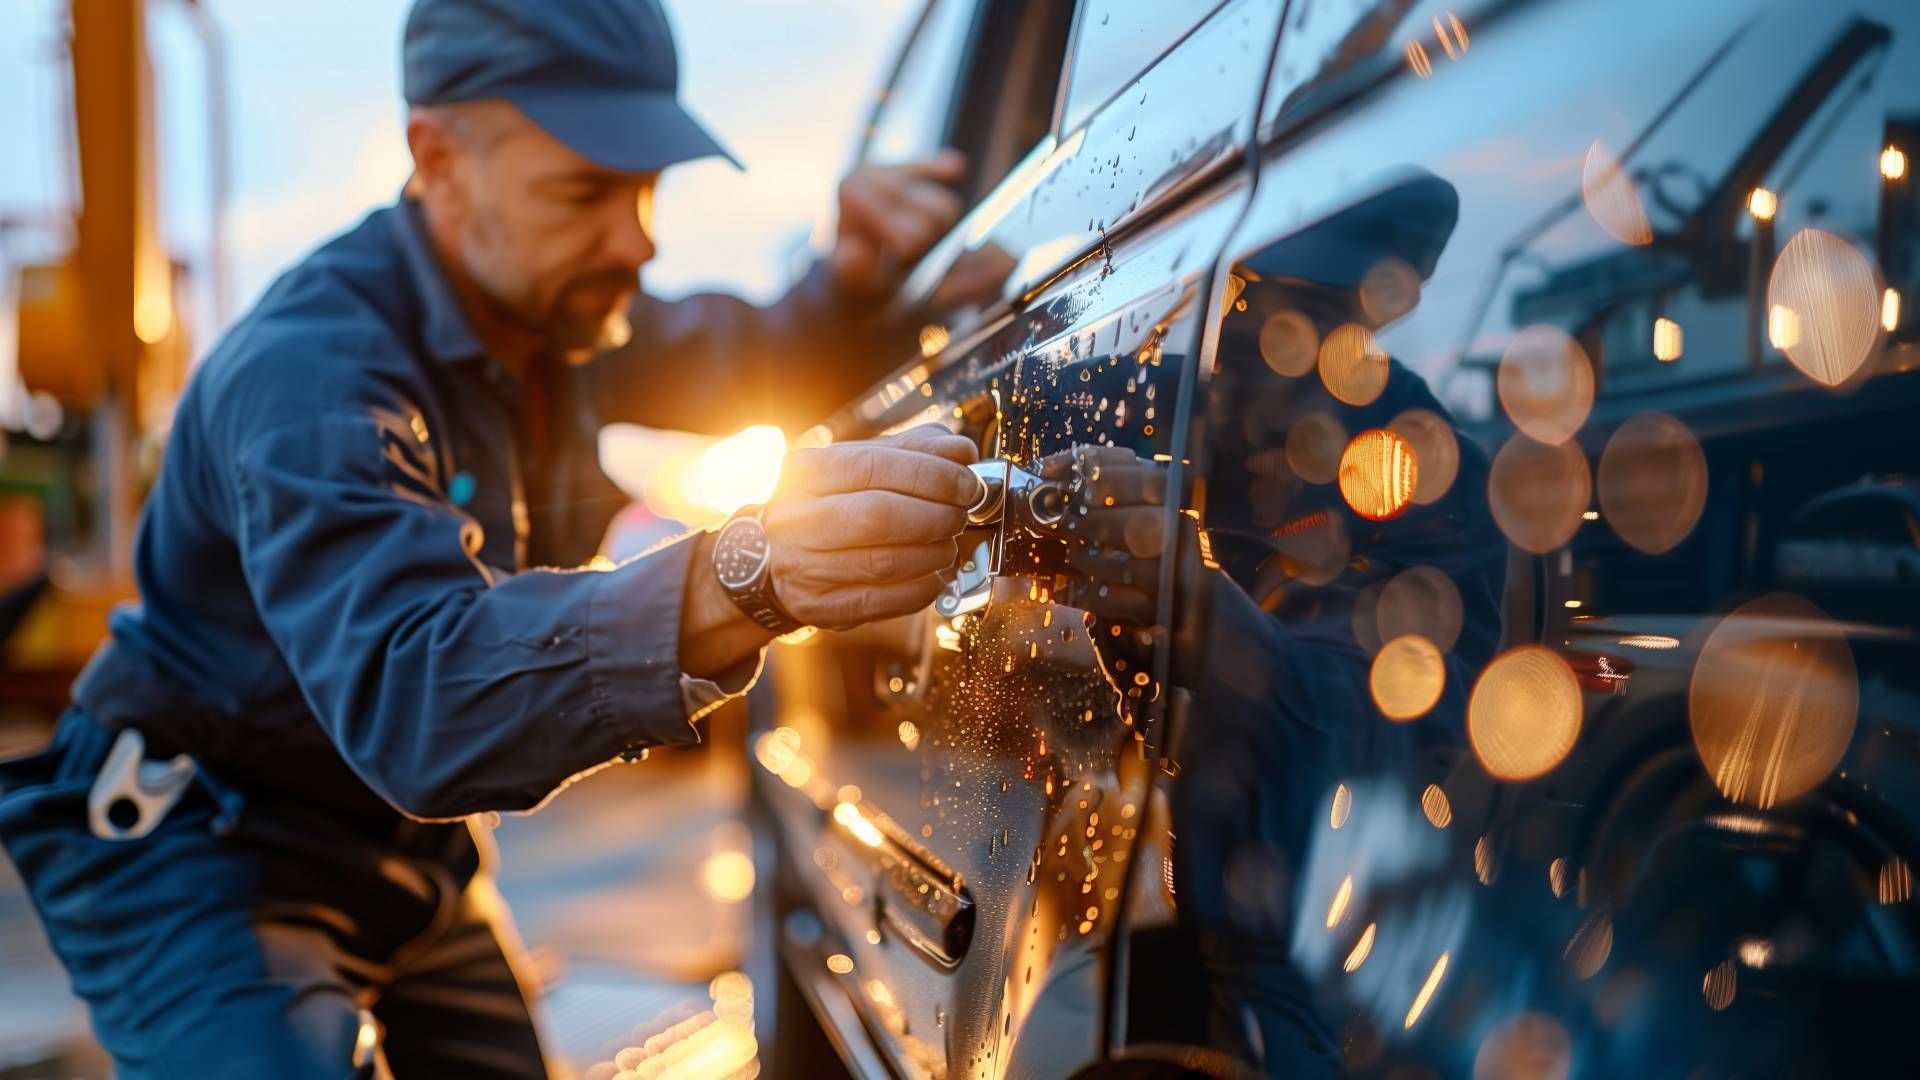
131	796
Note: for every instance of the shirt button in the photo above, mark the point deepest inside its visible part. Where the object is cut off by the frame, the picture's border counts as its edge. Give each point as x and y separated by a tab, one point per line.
460	488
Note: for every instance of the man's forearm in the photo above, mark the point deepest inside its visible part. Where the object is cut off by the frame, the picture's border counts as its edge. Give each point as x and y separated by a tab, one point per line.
715	634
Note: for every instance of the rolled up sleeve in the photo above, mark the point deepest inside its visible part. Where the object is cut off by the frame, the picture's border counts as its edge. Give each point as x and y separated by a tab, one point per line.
448	688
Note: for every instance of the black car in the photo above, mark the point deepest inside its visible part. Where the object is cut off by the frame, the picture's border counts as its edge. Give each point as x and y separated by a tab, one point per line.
1445	601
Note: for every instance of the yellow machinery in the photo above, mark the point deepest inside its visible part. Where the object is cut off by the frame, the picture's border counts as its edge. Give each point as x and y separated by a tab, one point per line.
100	331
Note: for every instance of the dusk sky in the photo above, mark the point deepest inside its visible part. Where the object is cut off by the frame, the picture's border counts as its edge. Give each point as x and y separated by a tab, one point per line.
316	113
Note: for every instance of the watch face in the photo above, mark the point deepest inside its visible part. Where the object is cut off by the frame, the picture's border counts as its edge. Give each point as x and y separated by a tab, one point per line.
740	553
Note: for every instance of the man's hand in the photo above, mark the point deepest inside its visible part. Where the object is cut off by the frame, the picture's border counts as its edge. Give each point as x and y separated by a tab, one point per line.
860	530
889	216
857	532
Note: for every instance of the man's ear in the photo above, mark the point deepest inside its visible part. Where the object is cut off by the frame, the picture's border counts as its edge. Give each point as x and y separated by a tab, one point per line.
436	161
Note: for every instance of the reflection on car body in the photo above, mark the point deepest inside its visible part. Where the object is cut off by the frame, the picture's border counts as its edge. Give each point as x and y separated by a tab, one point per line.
1445	596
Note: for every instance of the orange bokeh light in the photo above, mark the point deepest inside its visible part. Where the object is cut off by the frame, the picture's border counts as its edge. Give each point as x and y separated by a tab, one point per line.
1823	305
1313	448
1545	383
1407	677
1538	492
1378	474
1353	365
1525	713
1531	1045
1652	482
1289	343
1773	701
1434	447
1612	198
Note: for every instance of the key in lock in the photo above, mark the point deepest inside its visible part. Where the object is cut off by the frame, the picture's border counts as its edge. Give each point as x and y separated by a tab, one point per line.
1012	501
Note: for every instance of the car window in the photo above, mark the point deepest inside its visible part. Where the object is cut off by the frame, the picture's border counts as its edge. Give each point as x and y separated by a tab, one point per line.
1116	40
915	112
1544	336
1331	43
1191	113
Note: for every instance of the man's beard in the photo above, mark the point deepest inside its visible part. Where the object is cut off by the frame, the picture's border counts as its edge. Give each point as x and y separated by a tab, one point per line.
568	330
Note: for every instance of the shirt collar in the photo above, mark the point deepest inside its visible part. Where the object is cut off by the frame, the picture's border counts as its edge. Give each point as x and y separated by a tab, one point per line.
445	331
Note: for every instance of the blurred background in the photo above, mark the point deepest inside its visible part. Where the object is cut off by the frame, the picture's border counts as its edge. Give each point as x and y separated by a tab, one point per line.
228	138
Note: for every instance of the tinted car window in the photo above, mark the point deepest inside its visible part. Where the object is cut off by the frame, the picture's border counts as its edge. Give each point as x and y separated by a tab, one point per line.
1515	740
916	111
1116	41
1191	114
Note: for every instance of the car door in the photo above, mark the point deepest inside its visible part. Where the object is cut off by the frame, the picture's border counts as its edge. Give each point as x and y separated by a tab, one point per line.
1535	302
963	796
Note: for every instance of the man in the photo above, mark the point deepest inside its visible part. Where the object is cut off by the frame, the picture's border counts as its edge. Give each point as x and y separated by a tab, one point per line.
341	637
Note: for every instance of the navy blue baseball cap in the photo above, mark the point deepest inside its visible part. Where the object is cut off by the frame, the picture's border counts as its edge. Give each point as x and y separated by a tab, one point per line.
602	76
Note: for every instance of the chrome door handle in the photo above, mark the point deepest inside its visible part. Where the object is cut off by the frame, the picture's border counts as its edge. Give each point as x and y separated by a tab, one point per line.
1011	494
1010	498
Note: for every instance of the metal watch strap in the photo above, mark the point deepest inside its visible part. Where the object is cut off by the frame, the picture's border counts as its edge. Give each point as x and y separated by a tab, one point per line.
758	601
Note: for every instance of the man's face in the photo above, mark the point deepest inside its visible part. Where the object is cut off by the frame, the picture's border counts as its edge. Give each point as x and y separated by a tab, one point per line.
555	241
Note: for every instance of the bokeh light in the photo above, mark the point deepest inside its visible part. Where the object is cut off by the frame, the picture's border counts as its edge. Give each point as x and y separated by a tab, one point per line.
1289	343
727	876
1612	198
1353	365
1427	990
1337	910
1590	946
1719	985
1545	383
1342	806
1420	600
1773	700
1378	473
1827	287
1436	449
1669	340
1652	482
1524	715
1530	1046
1435	804
1361	949
1315	443
1538	491
1896	881
1407	677
1389	289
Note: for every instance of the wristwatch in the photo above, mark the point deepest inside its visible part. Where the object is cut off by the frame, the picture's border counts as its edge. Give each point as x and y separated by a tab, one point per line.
743	561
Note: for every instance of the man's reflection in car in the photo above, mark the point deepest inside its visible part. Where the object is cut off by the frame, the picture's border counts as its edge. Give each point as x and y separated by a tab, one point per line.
1356	596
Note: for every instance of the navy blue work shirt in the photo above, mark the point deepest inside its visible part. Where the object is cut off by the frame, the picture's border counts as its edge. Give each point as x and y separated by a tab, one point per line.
336	599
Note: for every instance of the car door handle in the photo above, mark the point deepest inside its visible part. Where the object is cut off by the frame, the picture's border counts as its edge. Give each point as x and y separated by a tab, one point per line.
1012	501
916	895
1010	495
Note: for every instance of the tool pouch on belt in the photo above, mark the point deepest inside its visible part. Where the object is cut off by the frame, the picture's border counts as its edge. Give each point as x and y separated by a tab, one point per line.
132	795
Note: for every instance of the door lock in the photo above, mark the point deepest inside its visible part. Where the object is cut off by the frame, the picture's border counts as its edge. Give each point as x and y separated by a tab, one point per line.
1009	492
1011	498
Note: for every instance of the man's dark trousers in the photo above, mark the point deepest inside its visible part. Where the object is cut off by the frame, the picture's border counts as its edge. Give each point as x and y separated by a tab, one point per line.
242	938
